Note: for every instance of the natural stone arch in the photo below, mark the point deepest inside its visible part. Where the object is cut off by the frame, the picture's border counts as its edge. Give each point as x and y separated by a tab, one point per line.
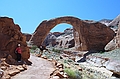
87	35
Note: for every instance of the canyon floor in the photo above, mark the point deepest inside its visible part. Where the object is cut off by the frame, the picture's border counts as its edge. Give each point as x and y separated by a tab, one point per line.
40	69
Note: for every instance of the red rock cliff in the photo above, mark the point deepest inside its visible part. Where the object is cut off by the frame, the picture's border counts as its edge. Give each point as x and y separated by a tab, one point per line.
10	36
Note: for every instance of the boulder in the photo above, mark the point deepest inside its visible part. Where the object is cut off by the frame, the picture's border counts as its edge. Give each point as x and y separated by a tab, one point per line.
13	72
10	36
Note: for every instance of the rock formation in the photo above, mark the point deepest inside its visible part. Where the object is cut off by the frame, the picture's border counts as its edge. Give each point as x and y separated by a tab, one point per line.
118	36
66	40
7	70
115	21
50	40
60	39
87	35
110	64
105	21
115	43
10	36
28	36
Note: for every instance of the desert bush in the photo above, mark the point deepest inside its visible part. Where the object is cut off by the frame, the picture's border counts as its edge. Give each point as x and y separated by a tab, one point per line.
56	50
101	52
34	47
73	74
32	51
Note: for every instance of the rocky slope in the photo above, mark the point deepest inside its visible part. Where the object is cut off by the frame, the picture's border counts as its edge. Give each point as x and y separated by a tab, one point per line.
7	70
115	43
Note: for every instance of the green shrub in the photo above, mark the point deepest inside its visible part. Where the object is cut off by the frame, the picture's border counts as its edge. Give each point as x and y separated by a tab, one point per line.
70	60
73	74
56	50
34	47
65	61
101	52
32	51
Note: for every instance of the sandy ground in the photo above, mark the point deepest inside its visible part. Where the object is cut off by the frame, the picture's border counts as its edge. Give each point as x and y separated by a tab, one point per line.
40	69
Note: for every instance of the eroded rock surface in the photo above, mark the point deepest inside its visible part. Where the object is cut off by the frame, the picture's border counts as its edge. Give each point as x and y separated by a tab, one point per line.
87	35
115	43
60	39
28	36
112	65
10	36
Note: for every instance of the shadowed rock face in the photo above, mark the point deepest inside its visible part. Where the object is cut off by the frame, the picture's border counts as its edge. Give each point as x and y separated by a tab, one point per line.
10	36
87	35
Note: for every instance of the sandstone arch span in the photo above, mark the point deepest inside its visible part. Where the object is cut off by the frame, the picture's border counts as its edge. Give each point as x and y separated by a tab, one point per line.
87	35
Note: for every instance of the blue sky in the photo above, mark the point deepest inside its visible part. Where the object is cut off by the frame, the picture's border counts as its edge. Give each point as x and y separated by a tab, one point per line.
30	13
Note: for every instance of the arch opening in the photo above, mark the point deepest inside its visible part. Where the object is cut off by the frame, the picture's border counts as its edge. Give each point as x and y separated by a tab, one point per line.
61	27
60	36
